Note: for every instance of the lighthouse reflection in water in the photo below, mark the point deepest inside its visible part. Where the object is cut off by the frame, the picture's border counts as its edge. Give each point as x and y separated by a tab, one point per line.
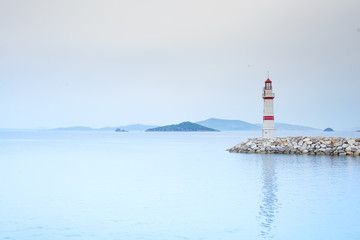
269	205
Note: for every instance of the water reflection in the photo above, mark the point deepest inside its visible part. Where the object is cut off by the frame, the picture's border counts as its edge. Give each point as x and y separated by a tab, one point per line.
269	204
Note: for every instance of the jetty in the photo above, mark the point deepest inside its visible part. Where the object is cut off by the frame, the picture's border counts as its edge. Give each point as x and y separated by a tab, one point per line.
300	145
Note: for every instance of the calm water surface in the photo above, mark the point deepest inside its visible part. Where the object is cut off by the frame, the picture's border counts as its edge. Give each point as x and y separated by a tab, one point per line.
105	185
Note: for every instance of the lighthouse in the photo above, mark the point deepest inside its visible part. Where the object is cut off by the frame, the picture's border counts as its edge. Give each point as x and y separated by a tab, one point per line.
268	130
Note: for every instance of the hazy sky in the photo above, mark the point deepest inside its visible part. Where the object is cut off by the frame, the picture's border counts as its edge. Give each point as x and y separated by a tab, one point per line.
110	63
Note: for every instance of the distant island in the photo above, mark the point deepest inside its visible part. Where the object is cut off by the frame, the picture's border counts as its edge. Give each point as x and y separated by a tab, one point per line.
133	127
328	130
212	123
120	130
183	127
238	125
228	125
78	128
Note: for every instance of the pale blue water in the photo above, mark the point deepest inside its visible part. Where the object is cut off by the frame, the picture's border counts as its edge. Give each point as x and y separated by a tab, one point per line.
136	185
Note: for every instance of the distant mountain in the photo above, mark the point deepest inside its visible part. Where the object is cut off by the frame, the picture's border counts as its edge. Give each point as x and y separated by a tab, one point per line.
182	127
285	126
133	127
79	128
354	129
229	125
211	123
106	129
291	127
238	125
137	127
16	130
328	130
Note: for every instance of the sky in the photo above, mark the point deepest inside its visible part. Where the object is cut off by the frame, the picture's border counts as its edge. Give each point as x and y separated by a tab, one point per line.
114	62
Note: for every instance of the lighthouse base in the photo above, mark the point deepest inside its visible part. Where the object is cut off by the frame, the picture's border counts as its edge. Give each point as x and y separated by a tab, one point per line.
268	133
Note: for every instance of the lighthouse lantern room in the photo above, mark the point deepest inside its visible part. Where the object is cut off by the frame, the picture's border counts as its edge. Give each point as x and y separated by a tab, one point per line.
268	130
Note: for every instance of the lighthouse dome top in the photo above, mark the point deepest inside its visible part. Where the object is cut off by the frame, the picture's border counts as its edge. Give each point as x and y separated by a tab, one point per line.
268	80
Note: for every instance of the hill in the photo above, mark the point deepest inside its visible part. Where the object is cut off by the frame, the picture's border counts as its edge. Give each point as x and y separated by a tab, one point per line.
229	125
182	127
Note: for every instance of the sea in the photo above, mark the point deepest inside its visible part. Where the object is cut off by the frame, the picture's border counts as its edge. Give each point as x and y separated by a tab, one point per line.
57	185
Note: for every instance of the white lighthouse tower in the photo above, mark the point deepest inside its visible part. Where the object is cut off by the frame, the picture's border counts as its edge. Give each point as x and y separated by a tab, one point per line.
268	130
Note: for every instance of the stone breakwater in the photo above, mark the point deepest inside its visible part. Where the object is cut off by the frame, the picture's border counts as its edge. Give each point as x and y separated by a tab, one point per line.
301	145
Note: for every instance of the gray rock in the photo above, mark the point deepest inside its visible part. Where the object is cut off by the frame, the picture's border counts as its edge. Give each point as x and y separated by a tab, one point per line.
338	144
300	145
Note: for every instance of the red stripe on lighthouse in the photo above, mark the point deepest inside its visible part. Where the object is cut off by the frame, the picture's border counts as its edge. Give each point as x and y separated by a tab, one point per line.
268	117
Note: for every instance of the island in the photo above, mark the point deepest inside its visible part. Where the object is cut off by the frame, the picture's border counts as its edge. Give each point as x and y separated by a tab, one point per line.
328	130
120	130
182	127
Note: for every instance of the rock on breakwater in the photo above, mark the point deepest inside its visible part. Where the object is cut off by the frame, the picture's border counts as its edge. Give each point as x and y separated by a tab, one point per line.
300	145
